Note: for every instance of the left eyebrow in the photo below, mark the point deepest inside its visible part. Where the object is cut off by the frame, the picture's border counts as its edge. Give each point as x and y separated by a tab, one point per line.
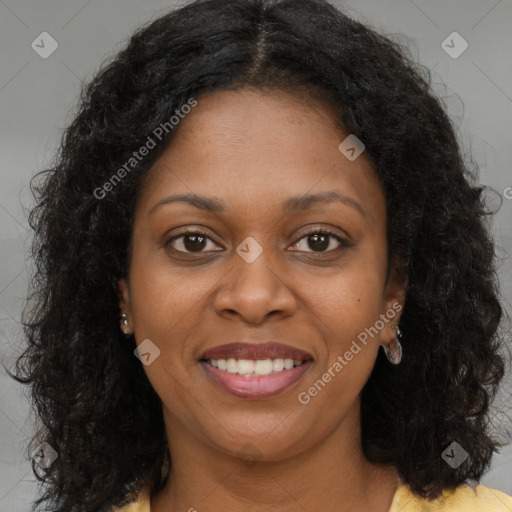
301	203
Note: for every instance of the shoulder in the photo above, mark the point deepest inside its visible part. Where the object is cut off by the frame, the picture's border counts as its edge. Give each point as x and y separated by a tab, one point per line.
467	498
140	503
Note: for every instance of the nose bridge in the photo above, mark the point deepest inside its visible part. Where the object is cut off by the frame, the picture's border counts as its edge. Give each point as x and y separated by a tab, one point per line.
253	267
254	287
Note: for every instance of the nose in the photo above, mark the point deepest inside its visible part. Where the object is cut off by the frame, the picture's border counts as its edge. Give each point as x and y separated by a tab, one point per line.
255	291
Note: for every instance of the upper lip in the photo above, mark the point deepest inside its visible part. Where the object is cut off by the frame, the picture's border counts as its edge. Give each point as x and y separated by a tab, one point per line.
245	350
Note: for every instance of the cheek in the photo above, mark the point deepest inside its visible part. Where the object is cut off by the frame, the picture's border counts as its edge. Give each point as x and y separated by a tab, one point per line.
156	315
165	306
348	301
162	296
343	309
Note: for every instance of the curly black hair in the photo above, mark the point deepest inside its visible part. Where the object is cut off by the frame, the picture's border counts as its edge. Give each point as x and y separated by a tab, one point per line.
96	405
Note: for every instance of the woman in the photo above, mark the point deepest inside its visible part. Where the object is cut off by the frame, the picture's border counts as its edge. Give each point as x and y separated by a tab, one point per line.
253	198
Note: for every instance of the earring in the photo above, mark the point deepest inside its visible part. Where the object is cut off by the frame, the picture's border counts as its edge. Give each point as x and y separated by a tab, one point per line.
394	354
124	322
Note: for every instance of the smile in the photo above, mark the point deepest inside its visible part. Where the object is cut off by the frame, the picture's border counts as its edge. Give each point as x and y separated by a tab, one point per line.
254	368
255	379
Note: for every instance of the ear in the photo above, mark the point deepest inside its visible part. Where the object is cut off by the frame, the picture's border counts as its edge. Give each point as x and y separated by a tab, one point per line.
394	302
123	293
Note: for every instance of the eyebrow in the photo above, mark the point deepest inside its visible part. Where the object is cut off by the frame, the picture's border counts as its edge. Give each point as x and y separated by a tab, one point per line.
291	205
301	203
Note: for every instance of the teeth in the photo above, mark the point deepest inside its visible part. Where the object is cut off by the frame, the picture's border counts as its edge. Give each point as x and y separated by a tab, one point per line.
288	363
277	365
263	367
254	368
232	365
246	366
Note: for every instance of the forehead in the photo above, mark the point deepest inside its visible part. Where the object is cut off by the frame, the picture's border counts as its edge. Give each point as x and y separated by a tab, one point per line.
259	147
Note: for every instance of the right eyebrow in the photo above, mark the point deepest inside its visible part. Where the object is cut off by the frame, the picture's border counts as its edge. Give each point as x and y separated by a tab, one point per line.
204	203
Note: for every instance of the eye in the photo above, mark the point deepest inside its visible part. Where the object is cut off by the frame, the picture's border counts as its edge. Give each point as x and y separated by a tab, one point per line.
190	242
320	241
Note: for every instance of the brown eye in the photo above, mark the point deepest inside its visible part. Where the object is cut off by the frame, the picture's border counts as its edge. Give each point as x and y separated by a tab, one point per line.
190	242
194	242
319	241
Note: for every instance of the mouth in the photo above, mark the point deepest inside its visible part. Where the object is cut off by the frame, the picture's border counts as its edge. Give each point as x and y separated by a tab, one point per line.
255	371
251	368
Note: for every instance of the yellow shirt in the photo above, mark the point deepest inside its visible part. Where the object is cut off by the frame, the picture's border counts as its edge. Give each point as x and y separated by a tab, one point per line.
463	499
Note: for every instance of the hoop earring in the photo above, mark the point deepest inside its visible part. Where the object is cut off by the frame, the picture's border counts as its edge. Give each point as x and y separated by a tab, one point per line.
394	354
124	322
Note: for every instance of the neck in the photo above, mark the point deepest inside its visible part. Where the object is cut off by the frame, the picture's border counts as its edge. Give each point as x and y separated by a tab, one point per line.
331	475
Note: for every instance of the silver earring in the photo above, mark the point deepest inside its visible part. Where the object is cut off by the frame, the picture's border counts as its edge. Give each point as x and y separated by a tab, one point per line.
124	322
394	354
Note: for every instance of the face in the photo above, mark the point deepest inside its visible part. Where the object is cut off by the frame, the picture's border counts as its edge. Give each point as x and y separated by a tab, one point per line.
282	239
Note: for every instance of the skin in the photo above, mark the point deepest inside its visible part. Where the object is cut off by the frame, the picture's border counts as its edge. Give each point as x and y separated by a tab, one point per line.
253	151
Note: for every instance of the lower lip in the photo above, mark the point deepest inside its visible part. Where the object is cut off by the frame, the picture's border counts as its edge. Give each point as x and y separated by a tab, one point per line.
265	386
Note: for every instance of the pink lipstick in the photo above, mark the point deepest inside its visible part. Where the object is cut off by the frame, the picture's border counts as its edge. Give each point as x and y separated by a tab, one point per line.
255	371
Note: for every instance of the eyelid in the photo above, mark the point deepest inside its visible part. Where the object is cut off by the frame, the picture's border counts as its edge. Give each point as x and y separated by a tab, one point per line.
344	243
190	231
322	230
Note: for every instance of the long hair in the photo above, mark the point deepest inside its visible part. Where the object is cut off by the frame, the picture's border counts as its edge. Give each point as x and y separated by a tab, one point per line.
97	408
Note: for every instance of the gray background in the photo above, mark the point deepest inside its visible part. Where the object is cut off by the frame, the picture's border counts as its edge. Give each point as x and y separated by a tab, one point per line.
37	97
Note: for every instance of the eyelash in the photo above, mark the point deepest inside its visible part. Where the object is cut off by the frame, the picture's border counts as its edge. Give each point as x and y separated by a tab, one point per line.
324	231
313	231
